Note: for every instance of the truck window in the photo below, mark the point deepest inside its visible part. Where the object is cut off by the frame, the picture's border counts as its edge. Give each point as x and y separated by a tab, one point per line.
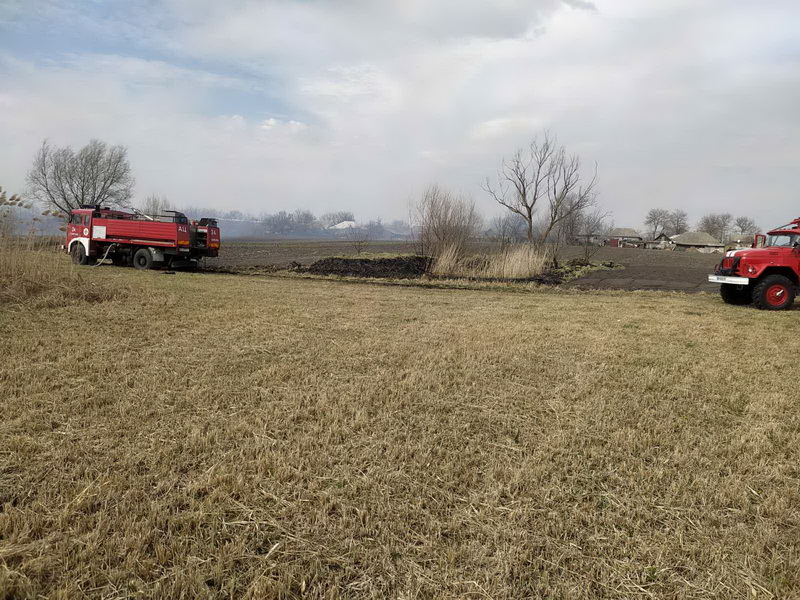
85	219
75	219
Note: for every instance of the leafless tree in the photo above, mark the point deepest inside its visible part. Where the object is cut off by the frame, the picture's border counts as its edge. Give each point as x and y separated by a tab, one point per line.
592	225
678	222
97	174
507	229
746	225
303	221
156	205
544	173
718	225
359	238
445	221
657	221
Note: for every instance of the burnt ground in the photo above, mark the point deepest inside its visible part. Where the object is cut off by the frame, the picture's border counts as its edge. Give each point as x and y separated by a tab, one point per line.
650	269
643	269
282	253
398	267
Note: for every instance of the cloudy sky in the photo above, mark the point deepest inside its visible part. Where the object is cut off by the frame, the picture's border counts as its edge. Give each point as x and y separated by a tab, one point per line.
359	104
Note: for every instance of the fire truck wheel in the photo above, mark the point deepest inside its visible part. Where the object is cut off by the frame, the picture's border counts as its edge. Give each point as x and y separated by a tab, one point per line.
143	260
79	254
735	294
774	292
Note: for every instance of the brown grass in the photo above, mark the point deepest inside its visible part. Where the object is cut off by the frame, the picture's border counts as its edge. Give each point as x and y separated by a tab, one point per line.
238	437
516	262
35	272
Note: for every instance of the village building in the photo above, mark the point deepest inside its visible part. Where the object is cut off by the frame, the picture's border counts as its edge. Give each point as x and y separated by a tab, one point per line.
741	240
697	241
661	242
623	237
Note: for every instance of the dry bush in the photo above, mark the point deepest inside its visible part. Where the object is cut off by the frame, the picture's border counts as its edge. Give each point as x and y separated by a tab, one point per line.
517	262
33	269
446	222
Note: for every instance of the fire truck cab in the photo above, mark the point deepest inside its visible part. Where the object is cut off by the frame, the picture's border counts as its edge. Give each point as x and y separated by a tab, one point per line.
766	275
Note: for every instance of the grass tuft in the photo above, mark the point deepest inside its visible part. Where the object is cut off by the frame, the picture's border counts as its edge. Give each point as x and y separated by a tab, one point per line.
34	271
517	262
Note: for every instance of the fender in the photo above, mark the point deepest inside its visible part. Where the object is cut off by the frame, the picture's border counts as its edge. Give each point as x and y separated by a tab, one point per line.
82	240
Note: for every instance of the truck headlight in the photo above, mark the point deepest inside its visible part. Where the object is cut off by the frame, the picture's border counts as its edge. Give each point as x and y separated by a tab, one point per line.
751	269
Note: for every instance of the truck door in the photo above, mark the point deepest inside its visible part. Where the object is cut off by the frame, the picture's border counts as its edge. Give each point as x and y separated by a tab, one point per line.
75	227
79	227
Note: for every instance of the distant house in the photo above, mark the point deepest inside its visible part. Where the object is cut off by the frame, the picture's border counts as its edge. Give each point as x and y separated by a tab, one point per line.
741	240
622	237
344	225
396	234
593	239
698	241
661	242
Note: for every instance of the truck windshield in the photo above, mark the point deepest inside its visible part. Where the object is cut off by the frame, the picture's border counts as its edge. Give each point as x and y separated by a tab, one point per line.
787	240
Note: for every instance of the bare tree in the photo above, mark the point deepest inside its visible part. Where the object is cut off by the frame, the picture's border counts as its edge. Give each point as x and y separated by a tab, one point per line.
657	221
678	222
97	174
303	221
507	229
718	225
375	229
280	222
445	221
359	237
592	225
334	218
746	225
545	172
156	205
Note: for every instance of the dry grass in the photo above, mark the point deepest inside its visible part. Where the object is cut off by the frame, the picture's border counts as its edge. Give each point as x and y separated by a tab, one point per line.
517	262
238	437
34	271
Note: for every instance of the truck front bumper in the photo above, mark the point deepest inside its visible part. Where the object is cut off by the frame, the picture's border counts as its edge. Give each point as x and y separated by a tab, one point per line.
728	279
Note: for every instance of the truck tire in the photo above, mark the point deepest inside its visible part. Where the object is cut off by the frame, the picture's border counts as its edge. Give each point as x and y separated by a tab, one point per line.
774	292
79	254
143	260
735	294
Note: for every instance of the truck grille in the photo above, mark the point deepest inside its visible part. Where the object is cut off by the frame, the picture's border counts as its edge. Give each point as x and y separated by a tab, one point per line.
728	266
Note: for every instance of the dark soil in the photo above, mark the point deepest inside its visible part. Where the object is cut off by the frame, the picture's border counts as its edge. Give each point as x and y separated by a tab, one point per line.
400	267
643	269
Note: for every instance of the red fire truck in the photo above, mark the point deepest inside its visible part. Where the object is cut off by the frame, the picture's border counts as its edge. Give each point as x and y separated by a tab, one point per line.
144	241
766	275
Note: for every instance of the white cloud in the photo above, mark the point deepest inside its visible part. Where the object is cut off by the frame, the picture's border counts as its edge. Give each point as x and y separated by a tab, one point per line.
356	105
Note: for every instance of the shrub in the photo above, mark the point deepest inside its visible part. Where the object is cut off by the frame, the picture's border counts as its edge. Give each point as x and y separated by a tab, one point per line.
517	262
32	269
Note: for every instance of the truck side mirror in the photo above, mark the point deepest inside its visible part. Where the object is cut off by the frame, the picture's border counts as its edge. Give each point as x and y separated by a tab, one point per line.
759	240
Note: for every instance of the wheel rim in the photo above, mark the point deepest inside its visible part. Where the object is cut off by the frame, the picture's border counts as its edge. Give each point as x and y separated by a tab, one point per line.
776	295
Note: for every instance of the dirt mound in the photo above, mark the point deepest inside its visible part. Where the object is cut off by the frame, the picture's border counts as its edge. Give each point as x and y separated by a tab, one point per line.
402	267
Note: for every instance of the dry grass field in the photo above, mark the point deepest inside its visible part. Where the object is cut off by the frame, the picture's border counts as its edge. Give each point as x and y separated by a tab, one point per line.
215	436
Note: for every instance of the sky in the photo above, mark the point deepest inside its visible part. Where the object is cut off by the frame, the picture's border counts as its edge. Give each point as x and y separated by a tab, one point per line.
358	105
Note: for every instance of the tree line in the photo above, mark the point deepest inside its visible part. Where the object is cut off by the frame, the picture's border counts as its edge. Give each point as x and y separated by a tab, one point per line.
546	195
718	225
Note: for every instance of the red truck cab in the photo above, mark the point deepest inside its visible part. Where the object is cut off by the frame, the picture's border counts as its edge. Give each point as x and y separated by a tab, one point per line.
766	275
